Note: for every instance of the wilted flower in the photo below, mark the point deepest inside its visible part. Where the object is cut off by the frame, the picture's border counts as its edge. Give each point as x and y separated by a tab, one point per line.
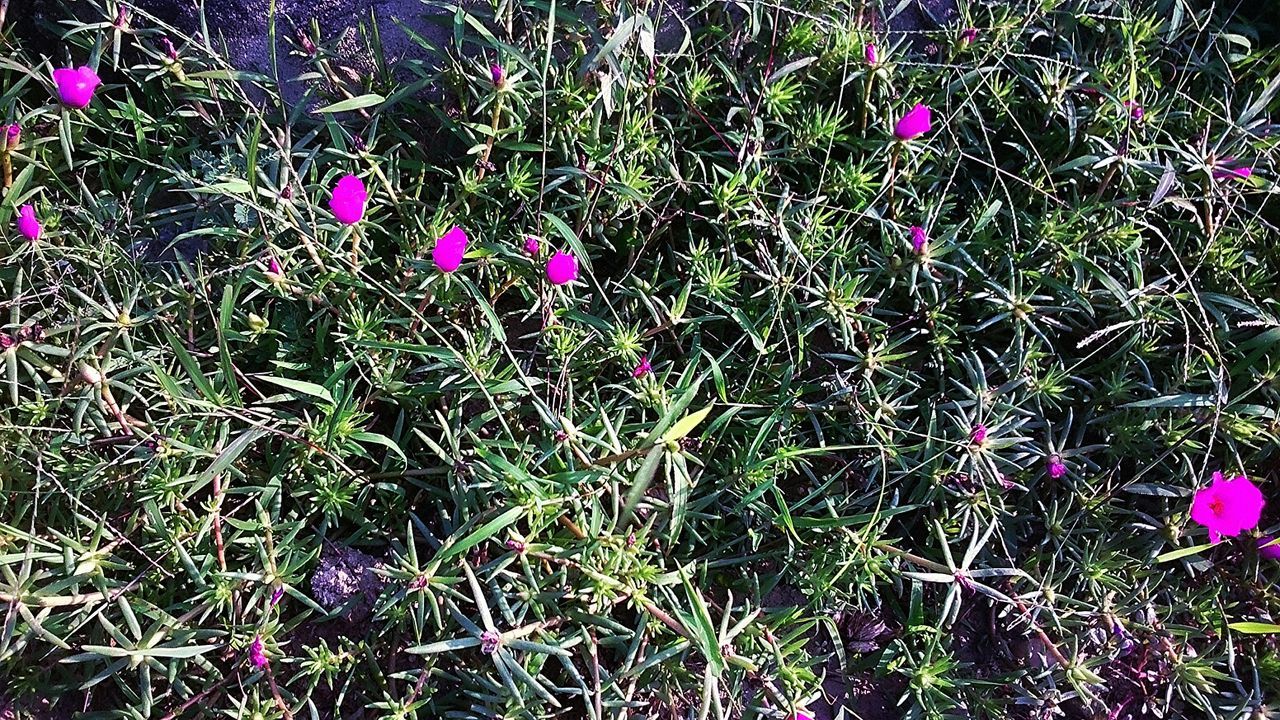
28	225
516	546
498	75
532	245
644	368
1135	110
562	268
1228	507
968	35
873	57
919	241
917	121
257	654
978	434
449	249
76	85
1269	547
489	642
1056	467
348	201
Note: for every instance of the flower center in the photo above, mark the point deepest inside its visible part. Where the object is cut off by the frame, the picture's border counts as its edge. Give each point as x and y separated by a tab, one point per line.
1216	506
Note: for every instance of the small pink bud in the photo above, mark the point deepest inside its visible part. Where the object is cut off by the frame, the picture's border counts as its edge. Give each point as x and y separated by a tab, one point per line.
498	75
562	268
167	45
978	435
276	595
12	135
76	85
968	35
258	653
644	368
919	241
449	249
1135	110
274	269
873	57
1056	467
28	225
348	201
532	245
516	546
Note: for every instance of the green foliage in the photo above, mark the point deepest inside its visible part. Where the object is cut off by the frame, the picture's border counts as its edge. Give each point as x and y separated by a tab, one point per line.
471	506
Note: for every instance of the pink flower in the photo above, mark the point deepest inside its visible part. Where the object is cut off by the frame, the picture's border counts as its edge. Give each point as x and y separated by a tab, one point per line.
1056	467
273	268
1227	507
968	35
872	56
449	249
349	198
919	241
76	86
644	368
498	75
1268	547
28	225
562	268
276	595
799	715
1135	110
257	654
978	435
917	121
12	134
169	49
532	245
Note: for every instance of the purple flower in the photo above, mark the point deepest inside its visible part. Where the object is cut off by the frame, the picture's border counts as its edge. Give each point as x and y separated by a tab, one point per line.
276	595
516	546
257	655
498	75
1056	467
489	642
644	368
76	85
917	121
968	35
873	57
978	435
449	249
274	271
348	201
28	225
1135	110
562	268
167	45
532	245
1269	547
1227	169
919	241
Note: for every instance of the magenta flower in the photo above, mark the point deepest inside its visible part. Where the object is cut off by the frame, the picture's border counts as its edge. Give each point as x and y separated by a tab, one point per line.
562	268
644	368
273	268
167	45
1227	507
257	654
917	121
498	75
919	241
799	715
276	595
76	86
1056	468
532	245
968	35
873	57
1135	110
978	435
348	201
1268	547
449	249
28	225
12	134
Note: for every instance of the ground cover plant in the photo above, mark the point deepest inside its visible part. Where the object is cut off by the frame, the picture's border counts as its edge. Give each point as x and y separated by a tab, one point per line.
625	360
